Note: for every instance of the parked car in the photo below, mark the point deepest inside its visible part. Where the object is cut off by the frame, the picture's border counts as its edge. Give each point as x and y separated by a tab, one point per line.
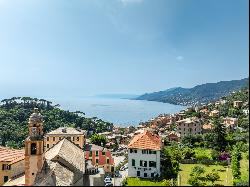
117	174
108	184
108	180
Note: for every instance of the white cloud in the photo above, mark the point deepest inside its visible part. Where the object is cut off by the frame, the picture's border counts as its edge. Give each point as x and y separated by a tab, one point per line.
179	58
127	2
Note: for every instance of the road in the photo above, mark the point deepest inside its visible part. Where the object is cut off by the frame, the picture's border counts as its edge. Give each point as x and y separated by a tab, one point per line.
118	159
118	181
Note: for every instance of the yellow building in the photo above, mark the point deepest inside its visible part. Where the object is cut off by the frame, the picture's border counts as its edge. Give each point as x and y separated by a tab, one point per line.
77	136
11	164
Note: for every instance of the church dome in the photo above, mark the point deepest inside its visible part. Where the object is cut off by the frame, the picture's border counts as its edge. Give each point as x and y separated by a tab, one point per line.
36	117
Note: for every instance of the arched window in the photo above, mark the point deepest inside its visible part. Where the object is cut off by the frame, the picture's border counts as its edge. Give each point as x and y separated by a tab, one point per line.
33	149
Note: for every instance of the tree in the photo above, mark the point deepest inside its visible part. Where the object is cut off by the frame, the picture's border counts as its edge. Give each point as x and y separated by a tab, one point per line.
212	177
98	140
235	163
196	176
171	162
219	135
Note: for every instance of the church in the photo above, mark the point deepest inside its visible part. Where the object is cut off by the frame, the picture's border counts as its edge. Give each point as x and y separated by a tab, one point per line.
63	164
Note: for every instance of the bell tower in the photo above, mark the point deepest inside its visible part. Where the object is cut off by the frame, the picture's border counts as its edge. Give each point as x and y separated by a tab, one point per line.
34	148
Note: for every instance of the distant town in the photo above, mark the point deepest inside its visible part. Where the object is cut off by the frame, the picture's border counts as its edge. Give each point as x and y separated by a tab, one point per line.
202	145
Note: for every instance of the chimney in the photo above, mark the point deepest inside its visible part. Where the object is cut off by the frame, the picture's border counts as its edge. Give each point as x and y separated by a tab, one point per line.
64	130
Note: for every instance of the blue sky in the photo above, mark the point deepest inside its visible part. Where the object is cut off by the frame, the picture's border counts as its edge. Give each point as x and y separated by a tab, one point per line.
87	47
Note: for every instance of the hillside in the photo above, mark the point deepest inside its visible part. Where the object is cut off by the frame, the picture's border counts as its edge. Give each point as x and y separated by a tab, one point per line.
199	94
15	112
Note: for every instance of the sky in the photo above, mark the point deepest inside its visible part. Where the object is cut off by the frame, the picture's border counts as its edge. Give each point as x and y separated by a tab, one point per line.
76	48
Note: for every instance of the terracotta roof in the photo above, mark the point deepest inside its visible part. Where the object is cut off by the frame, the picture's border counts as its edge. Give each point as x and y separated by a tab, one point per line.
174	133
207	126
146	140
11	155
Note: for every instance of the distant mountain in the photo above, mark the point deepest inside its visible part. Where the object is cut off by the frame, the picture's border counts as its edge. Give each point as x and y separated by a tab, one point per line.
118	96
199	94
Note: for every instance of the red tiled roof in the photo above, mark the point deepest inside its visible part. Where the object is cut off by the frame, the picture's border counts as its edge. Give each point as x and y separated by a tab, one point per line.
146	140
207	126
11	155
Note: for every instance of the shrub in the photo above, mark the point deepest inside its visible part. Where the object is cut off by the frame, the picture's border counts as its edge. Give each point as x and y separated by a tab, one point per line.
236	163
223	163
215	154
201	154
224	156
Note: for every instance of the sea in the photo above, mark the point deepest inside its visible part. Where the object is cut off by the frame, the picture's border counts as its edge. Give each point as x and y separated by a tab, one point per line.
120	112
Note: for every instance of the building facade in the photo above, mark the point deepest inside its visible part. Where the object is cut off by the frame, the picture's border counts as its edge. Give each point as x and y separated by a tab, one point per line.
144	155
230	123
188	126
100	157
11	164
77	136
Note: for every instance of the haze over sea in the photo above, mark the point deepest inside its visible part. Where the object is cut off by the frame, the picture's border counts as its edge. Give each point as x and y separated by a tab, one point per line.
122	112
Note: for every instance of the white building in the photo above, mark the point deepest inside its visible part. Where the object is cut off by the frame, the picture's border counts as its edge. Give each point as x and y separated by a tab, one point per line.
246	111
230	123
144	155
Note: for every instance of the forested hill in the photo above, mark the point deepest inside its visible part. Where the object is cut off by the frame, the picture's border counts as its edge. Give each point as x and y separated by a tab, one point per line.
15	112
199	94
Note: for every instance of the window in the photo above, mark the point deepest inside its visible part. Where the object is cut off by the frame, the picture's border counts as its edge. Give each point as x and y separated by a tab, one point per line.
133	151
77	138
33	149
47	138
152	152
138	174
54	138
152	175
145	175
108	161
60	138
73	138
90	153
133	162
96	161
5	178
103	153
152	164
143	163
96	153
6	167
47	145
184	129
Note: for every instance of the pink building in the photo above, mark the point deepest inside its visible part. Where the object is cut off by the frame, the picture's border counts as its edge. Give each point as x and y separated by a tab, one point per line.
100	157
